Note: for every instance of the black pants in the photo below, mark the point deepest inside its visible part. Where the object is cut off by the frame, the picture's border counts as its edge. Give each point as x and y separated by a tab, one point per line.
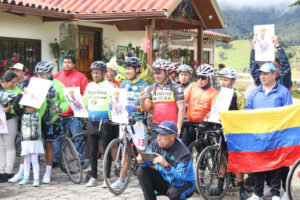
151	180
105	135
284	174
188	135
259	181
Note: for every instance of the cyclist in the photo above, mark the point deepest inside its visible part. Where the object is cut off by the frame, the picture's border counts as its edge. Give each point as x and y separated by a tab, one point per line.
19	69
227	79
172	71
199	95
171	172
184	76
134	86
70	78
111	73
167	98
96	99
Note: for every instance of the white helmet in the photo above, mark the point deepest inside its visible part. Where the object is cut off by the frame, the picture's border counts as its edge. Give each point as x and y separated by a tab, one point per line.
43	67
160	64
228	73
185	68
205	70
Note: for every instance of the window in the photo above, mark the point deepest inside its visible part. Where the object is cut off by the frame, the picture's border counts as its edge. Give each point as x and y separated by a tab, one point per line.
206	57
28	51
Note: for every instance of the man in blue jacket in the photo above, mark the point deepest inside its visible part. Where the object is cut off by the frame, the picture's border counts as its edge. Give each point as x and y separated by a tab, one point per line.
269	94
171	171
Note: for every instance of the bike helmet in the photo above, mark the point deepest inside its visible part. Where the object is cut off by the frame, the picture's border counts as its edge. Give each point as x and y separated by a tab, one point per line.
228	73
184	68
99	65
43	67
172	67
160	64
112	66
132	62
205	70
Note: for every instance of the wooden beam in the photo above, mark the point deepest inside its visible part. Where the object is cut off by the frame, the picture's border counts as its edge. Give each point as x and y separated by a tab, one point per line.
150	29
184	20
199	45
198	14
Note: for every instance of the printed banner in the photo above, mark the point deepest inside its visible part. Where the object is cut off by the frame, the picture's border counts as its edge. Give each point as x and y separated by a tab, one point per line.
74	98
37	91
262	139
264	47
3	124
119	100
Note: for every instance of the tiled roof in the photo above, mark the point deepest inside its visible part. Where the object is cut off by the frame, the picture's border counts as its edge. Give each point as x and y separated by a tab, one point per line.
213	34
97	6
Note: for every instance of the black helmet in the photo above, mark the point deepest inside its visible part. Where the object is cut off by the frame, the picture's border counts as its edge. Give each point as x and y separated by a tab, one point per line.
131	53
132	62
120	58
98	65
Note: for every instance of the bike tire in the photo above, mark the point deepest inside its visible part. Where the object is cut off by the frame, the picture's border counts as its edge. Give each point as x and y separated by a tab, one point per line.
71	160
111	171
82	148
209	162
293	181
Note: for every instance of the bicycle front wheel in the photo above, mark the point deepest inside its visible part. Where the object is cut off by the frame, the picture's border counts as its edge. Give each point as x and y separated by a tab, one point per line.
293	181
208	170
71	160
116	164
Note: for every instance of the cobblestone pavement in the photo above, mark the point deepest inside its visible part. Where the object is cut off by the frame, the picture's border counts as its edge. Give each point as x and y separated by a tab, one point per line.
62	187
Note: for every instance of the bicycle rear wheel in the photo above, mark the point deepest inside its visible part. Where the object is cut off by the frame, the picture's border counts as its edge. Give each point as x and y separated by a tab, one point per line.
82	147
71	160
116	160
293	181
207	172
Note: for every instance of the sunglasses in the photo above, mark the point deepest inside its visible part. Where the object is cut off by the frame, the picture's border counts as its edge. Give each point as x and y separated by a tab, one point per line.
202	77
166	129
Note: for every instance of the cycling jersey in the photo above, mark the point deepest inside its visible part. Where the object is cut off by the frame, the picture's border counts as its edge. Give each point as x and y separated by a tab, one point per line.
165	101
134	90
238	101
7	97
96	99
200	101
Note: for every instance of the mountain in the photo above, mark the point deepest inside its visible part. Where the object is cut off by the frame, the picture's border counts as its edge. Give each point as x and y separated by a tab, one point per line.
240	22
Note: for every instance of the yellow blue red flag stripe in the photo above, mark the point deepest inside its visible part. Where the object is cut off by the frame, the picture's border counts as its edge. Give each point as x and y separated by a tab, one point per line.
262	139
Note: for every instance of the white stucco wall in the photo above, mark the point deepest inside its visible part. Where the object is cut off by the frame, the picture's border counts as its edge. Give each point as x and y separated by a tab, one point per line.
33	27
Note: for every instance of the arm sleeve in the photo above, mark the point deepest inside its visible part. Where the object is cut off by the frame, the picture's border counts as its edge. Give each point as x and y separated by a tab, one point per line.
249	104
17	107
63	103
178	93
43	107
254	68
83	84
285	68
287	100
85	97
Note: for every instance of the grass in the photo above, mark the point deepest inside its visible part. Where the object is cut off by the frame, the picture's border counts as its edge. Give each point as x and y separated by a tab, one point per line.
238	57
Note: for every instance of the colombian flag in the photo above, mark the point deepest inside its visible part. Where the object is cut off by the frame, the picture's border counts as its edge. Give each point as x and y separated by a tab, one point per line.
262	139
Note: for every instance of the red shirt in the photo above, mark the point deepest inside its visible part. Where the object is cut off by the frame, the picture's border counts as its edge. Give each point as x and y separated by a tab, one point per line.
72	78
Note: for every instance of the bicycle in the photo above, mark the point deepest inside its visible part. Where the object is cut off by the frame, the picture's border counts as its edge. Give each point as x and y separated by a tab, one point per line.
293	181
209	163
120	153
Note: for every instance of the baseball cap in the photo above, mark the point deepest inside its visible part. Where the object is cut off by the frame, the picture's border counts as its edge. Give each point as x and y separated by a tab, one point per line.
166	127
18	66
267	67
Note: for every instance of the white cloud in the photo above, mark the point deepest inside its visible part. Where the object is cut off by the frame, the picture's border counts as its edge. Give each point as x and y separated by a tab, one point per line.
255	3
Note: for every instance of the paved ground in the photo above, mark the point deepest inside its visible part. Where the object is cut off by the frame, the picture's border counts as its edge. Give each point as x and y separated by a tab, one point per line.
62	188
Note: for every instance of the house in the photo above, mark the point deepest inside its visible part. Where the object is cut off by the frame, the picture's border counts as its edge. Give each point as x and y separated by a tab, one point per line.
29	26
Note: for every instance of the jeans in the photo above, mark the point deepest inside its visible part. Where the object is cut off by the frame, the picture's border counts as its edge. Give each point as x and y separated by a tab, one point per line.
59	128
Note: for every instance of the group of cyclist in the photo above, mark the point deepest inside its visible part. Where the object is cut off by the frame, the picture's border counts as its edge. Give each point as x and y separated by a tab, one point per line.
173	98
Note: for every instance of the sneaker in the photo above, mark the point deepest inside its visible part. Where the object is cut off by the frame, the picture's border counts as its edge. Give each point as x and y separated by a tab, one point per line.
267	191
24	181
36	183
118	184
16	178
46	180
92	183
255	197
104	184
284	196
275	197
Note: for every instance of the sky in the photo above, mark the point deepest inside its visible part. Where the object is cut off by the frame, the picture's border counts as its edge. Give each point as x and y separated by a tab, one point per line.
254	3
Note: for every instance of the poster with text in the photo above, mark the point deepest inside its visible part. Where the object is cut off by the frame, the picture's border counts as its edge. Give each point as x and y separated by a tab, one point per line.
264	47
36	92
74	98
3	124
221	105
119	100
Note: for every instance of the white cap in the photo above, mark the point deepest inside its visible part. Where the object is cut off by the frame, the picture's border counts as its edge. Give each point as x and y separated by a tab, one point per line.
18	66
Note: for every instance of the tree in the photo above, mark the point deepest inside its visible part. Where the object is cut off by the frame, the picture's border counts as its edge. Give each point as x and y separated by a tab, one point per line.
297	3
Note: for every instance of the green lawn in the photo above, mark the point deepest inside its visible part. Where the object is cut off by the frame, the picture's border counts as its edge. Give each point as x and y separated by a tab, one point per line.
238	57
